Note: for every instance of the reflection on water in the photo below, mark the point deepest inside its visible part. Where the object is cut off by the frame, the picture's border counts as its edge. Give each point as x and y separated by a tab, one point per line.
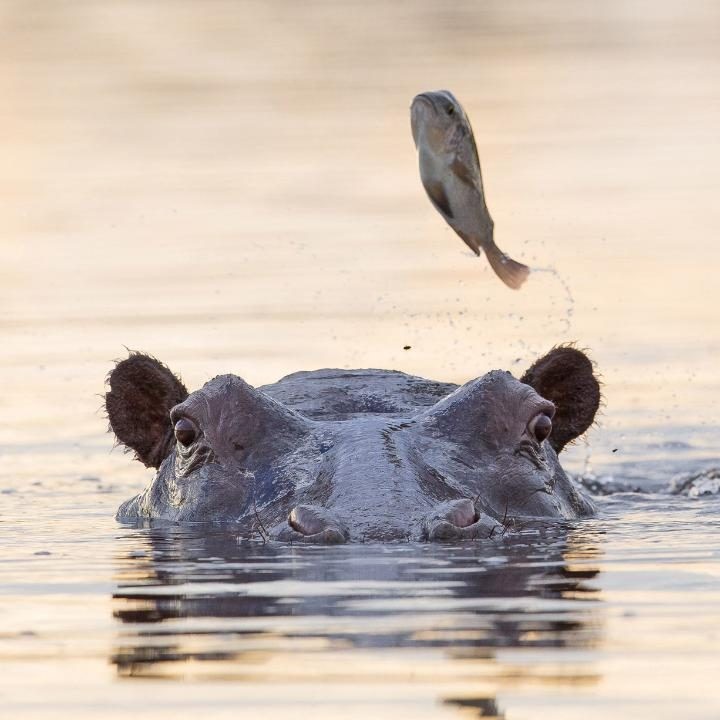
232	186
615	616
211	606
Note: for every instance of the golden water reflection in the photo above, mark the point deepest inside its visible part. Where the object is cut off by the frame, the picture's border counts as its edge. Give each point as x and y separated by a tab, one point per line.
232	186
465	621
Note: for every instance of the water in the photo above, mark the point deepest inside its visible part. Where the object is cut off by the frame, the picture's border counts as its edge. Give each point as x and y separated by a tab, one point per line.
233	187
618	615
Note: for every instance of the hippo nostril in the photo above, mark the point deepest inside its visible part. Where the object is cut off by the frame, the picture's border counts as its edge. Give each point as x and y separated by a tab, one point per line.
456	519
307	519
317	524
541	427
185	432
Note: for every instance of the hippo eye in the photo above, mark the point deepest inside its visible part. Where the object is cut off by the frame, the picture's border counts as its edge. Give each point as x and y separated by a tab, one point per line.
450	110
540	427
185	432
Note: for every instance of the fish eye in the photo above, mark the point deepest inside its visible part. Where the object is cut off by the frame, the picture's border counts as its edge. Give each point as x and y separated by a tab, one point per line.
540	427
450	110
185	432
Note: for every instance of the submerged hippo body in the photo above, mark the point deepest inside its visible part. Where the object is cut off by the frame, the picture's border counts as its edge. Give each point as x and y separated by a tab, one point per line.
336	455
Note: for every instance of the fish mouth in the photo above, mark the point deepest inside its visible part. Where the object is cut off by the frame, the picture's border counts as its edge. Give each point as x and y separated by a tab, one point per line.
435	98
422	110
426	98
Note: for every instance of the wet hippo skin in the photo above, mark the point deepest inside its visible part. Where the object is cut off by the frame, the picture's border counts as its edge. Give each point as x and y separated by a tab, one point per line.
350	455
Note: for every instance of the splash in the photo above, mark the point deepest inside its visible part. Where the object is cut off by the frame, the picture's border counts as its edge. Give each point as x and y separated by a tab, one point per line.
569	299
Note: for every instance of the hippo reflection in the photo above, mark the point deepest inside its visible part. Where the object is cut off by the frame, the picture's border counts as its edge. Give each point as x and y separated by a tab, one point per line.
197	595
335	455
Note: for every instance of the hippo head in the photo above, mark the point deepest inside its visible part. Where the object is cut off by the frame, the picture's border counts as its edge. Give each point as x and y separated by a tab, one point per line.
333	455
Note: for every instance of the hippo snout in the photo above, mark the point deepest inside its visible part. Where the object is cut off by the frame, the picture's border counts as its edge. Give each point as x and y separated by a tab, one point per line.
315	524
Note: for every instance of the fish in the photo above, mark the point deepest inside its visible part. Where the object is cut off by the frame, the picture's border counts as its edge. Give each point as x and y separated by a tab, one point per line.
450	173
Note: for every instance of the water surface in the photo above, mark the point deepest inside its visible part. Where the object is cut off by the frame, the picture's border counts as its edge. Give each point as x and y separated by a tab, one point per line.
233	188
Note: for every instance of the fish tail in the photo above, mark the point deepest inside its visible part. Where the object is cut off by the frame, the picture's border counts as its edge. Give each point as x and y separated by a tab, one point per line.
512	273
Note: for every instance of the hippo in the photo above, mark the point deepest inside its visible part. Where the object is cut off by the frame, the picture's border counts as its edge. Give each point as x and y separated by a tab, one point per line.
330	456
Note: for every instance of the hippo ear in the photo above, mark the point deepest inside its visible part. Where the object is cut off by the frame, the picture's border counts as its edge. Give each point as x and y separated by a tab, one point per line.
142	393
565	377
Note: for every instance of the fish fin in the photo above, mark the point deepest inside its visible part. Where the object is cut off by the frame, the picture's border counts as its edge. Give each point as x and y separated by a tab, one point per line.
462	172
438	197
512	273
470	241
